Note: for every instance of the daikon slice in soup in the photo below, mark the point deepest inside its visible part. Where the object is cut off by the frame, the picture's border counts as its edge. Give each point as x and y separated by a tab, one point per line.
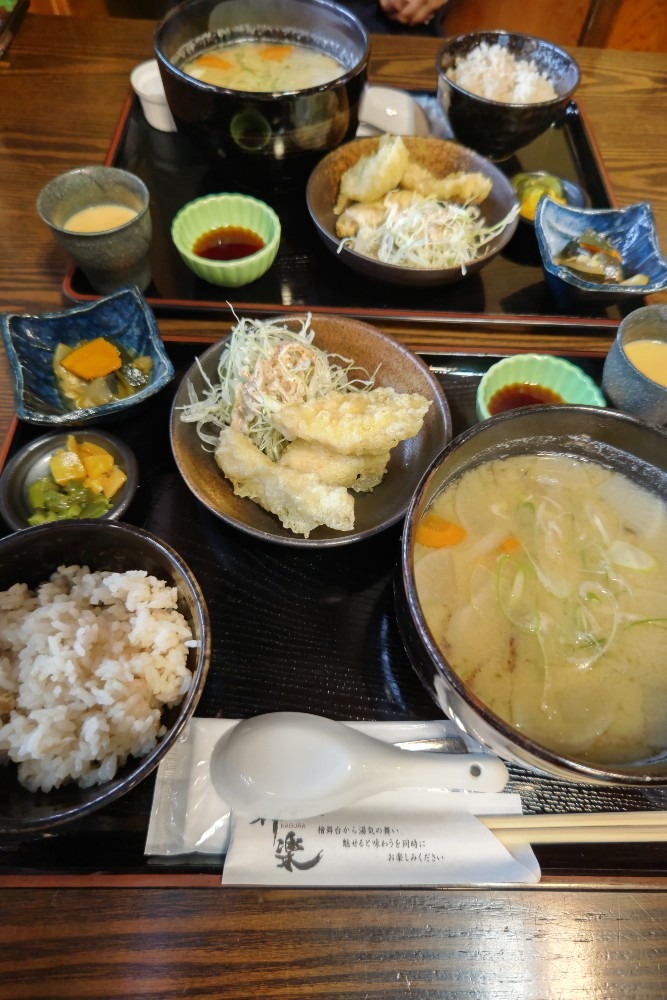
264	66
543	580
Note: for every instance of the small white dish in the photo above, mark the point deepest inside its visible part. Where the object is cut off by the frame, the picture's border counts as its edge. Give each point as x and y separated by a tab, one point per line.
147	85
385	109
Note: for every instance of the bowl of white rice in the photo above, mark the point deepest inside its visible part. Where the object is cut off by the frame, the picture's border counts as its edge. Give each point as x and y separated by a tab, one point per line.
501	90
104	651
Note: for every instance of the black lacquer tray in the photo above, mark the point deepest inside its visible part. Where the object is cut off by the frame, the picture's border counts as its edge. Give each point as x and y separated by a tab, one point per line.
299	630
306	276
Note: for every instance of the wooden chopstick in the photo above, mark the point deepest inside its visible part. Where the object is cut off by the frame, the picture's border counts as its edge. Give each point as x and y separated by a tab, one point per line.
565	828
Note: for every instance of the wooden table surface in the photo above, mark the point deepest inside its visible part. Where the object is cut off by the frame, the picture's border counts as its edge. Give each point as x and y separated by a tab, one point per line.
61	90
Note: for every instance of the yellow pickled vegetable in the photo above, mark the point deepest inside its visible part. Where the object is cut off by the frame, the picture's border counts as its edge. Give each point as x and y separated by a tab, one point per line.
112	481
95	359
97	465
65	466
90	463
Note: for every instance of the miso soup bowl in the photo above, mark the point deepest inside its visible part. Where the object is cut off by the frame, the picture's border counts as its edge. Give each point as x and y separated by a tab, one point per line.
616	440
264	139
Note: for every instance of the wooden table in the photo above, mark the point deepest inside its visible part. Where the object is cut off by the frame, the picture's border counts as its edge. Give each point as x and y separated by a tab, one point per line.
98	936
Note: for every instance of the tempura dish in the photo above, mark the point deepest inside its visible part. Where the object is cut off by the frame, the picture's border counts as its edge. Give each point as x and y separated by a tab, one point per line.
307	430
534	593
411	210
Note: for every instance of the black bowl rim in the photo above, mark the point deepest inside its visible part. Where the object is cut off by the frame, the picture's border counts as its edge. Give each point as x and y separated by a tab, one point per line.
110	791
266	96
450	42
553	762
128	464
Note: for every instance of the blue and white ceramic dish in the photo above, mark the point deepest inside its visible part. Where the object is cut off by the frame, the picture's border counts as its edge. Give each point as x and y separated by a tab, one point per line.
30	341
630	230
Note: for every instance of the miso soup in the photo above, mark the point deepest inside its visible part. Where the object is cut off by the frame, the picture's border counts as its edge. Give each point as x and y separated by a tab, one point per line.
543	579
264	67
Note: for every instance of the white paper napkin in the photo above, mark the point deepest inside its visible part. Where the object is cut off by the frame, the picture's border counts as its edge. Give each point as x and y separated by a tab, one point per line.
413	837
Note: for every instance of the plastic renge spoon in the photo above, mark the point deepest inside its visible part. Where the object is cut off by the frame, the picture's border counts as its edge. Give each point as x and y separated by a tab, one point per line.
291	765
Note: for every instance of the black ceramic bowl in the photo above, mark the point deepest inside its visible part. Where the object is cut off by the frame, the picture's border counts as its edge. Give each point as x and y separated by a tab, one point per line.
30	556
497	129
616	440
265	138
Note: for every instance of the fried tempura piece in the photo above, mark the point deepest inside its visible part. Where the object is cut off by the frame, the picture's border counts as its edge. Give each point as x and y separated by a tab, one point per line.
374	175
466	188
358	215
299	499
355	423
361	473
372	215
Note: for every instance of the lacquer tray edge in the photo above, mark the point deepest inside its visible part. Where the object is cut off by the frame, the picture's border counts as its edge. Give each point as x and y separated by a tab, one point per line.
204	307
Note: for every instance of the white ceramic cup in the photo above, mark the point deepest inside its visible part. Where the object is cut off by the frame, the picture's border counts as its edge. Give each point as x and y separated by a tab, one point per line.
147	85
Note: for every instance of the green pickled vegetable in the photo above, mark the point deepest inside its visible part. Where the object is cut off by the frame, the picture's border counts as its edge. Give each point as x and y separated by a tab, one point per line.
51	502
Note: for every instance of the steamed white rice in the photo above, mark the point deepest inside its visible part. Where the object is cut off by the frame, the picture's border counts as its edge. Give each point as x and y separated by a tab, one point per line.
491	71
87	663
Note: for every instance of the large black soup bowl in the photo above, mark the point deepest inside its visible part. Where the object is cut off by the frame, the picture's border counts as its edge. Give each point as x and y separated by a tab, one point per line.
617	441
265	139
498	129
30	556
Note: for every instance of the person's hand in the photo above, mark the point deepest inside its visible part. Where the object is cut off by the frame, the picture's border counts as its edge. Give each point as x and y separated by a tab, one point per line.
410	12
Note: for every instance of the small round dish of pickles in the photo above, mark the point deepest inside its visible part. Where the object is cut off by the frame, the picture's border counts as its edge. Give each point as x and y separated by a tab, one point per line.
65	476
531	186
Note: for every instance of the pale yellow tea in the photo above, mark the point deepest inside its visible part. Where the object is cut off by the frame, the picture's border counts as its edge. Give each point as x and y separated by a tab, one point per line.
99	218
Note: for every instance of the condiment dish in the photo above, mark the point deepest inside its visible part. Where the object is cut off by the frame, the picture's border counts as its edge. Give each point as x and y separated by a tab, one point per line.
534	379
32	462
532	185
31	340
250	228
631	231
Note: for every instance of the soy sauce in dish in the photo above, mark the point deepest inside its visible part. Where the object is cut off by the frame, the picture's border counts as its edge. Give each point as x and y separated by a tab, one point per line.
228	243
522	394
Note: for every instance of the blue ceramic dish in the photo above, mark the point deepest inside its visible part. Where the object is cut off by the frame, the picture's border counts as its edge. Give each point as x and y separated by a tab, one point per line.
631	231
30	341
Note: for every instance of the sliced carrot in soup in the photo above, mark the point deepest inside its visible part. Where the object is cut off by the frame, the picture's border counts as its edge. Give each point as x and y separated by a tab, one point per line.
437	532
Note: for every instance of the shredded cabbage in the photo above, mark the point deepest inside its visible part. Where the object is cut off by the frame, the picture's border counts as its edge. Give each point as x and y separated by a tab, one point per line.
263	366
427	234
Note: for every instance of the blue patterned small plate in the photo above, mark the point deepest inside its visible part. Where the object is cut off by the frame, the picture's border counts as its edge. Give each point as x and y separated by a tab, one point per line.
630	230
30	341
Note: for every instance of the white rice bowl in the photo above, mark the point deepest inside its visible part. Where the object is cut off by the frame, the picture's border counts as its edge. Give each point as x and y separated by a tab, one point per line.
491	71
87	663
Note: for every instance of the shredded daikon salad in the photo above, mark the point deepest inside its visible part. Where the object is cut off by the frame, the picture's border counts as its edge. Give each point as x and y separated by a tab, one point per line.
428	234
263	366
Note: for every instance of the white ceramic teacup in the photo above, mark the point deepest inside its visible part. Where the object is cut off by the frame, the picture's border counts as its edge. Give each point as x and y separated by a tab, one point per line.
147	85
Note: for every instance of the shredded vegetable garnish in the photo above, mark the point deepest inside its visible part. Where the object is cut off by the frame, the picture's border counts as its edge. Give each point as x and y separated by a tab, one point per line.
427	234
264	366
